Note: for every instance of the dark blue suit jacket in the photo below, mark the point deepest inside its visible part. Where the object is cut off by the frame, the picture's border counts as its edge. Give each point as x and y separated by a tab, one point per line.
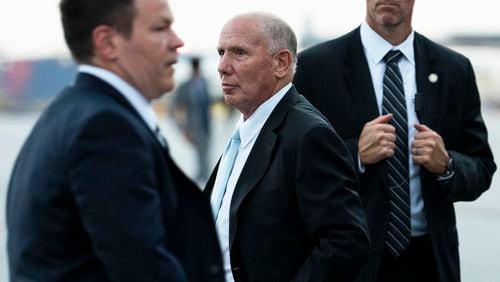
335	77
94	197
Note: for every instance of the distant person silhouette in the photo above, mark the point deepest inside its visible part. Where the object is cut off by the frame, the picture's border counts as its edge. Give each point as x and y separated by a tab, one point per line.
191	106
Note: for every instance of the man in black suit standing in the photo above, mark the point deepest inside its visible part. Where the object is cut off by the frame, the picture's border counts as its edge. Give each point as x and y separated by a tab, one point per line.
412	121
94	195
283	193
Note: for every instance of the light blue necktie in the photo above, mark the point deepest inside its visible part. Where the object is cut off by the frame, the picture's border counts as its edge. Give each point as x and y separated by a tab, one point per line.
225	168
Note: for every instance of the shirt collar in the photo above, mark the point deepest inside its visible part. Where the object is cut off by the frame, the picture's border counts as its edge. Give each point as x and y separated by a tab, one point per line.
376	46
250	128
140	104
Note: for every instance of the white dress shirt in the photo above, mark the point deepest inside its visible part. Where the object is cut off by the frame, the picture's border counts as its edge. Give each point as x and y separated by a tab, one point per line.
375	47
140	104
249	130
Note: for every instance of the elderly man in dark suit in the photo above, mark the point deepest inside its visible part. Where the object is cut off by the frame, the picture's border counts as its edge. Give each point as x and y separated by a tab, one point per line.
409	111
283	192
94	195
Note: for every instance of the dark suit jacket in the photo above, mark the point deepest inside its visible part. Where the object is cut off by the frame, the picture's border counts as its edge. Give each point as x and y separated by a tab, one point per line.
335	77
294	214
95	197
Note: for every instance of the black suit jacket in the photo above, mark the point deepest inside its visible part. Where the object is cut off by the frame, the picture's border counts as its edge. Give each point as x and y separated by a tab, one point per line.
335	77
94	197
294	214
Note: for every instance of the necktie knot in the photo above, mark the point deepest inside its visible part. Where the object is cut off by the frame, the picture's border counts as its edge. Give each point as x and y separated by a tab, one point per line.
236	136
393	56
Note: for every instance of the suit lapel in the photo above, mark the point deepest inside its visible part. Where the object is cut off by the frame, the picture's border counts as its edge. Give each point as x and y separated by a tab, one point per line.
211	180
259	158
92	83
359	81
427	72
427	66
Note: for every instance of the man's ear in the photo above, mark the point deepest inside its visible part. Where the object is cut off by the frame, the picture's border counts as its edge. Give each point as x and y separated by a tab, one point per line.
283	62
104	39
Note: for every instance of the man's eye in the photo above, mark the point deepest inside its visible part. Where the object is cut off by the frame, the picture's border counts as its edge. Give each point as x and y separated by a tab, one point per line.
159	28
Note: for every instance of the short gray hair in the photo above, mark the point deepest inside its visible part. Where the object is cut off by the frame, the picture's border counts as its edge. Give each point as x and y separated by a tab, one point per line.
276	33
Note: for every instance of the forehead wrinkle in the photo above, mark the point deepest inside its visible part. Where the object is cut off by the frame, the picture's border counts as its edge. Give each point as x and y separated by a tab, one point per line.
239	39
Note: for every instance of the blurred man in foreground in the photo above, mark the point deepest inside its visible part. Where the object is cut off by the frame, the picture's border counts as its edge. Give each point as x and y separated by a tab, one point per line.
94	195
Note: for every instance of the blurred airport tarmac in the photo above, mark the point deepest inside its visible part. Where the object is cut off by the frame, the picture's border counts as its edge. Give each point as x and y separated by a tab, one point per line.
478	222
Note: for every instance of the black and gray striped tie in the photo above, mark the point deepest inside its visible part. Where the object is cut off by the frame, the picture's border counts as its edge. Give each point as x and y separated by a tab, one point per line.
399	229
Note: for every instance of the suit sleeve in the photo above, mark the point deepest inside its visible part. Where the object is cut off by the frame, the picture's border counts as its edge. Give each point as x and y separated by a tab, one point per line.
301	82
474	165
113	182
352	145
330	208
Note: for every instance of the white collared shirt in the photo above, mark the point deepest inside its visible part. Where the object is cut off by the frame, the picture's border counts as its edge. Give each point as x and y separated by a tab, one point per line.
249	130
375	47
140	104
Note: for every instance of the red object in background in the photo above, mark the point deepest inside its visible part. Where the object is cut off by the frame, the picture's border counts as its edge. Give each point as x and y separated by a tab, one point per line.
17	75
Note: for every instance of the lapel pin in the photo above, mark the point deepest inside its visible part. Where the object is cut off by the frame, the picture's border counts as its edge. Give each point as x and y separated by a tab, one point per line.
433	78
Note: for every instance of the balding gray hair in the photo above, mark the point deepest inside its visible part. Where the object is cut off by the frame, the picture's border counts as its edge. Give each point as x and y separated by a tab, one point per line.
276	33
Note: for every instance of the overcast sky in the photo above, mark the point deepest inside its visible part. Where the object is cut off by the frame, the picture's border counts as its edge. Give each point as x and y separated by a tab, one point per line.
31	28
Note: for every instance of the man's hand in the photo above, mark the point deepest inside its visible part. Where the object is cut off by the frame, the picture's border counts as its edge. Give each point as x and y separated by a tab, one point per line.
377	140
428	150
